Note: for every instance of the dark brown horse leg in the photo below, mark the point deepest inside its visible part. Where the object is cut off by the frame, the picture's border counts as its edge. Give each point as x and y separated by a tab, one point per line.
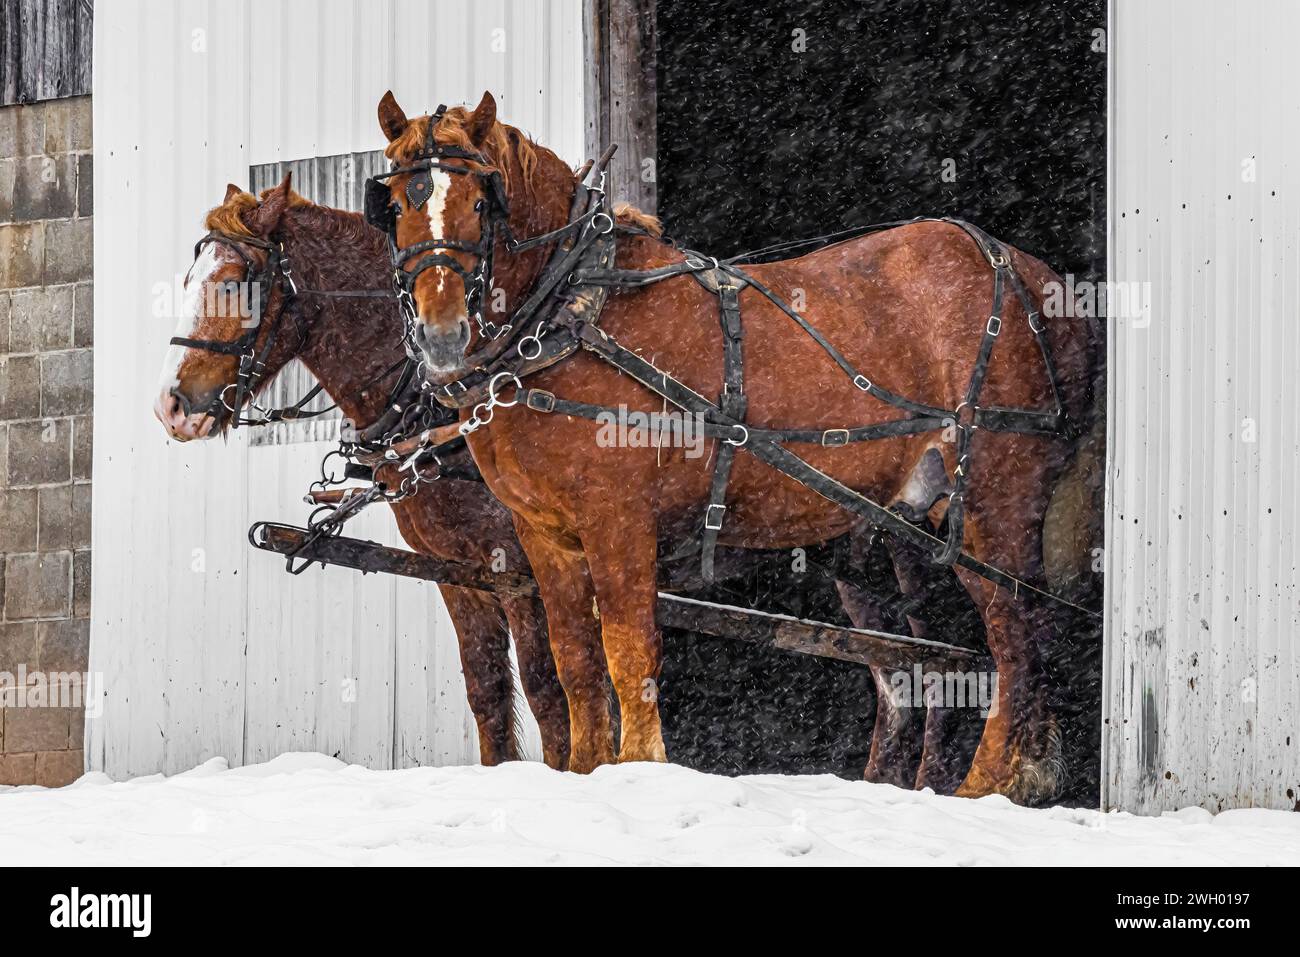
538	676
567	593
951	728
485	661
896	735
622	561
951	736
1019	751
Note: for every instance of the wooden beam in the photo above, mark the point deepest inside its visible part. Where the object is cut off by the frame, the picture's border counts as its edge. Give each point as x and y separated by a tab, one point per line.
620	91
782	632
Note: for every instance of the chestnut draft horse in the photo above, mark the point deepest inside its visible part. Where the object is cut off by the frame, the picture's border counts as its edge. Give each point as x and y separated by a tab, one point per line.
479	214
351	342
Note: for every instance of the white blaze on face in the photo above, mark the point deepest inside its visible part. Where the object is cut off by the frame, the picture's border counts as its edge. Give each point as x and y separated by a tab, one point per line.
436	208
191	310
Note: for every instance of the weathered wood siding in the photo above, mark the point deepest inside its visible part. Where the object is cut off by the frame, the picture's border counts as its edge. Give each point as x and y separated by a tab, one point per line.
619	38
44	49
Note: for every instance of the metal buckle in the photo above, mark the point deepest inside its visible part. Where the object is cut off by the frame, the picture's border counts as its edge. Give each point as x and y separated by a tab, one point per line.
833	438
539	400
710	522
1035	325
994	327
862	382
999	260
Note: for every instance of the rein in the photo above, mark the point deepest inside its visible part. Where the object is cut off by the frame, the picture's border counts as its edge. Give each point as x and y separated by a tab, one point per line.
566	302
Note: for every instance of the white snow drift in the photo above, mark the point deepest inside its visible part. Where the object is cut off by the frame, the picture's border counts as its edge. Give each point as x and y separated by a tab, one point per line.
311	809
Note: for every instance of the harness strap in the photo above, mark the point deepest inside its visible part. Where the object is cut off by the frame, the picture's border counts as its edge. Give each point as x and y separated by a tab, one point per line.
992	329
768	451
632	278
541	400
733	404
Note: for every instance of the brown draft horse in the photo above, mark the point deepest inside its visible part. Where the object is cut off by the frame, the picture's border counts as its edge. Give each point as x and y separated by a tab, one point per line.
908	305
348	344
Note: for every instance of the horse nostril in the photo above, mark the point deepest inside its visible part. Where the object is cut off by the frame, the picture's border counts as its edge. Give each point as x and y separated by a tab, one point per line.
178	402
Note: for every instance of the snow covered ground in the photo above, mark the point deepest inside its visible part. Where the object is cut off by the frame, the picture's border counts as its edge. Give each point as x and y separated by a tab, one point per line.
311	809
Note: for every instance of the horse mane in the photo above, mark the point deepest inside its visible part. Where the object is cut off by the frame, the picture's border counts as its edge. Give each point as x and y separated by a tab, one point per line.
630	215
228	218
501	140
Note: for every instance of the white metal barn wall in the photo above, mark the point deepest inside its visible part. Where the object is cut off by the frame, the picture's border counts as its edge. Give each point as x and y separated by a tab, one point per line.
1203	665
207	648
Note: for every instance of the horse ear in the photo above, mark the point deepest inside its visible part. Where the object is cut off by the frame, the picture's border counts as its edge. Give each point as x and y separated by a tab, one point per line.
231	192
392	121
482	119
264	218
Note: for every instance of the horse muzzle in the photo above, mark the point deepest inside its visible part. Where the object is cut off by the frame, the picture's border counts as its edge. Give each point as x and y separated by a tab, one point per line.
443	347
172	409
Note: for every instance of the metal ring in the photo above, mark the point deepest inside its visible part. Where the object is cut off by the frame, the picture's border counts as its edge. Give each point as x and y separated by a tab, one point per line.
608	218
222	397
956	416
492	390
520	348
739	442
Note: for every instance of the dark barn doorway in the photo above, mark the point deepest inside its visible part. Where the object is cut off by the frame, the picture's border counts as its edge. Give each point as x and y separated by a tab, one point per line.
768	125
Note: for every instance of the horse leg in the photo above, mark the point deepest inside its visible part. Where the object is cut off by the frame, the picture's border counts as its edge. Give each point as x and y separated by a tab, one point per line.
622	562
951	728
1019	751
566	590
485	661
537	674
895	738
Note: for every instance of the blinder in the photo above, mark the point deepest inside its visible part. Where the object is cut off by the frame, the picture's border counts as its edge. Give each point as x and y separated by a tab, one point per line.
380	210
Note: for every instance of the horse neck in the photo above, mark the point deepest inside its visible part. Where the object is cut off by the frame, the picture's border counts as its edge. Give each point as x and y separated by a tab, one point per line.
536	207
350	341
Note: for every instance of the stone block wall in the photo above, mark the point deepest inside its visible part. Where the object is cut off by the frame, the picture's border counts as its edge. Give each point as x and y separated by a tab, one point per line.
46	396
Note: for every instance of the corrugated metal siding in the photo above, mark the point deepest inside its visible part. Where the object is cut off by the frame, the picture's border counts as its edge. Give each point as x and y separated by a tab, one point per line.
1203	674
206	647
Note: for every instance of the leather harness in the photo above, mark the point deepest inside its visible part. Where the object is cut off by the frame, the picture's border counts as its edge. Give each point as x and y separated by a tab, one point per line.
561	314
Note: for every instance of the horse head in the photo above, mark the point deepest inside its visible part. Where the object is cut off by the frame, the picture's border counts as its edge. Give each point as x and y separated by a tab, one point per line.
463	186
232	302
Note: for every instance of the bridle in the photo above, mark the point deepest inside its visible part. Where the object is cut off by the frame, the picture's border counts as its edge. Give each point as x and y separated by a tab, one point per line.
589	218
275	274
494	216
